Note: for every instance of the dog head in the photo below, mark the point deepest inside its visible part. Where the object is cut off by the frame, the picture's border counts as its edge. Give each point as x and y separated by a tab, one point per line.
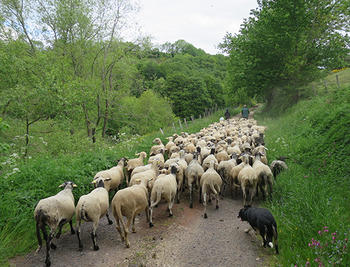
243	213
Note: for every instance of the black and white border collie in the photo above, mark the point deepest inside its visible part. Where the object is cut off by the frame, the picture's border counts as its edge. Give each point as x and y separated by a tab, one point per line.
262	221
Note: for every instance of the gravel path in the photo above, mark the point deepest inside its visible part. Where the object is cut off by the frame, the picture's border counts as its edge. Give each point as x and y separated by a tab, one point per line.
186	239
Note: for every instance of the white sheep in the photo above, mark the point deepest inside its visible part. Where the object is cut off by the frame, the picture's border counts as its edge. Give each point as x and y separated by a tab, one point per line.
208	159
265	176
133	163
159	148
164	187
224	168
193	174
130	202
210	183
262	149
116	174
91	208
150	174
54	212
248	180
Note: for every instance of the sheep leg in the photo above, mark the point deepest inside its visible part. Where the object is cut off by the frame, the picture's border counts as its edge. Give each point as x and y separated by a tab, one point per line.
93	235
126	231
262	188
119	229
147	213
109	220
78	235
150	215
217	201
133	225
244	196
251	195
48	245
200	195
270	187
191	195
72	232
178	192
60	225
171	203
40	243
205	205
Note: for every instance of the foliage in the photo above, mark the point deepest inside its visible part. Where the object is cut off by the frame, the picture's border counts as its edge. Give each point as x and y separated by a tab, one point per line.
314	192
285	44
329	247
142	115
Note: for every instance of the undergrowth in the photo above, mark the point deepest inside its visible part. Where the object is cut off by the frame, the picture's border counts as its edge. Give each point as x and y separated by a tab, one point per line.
314	192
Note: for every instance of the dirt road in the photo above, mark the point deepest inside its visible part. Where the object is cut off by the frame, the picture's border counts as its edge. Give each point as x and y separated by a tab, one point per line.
186	239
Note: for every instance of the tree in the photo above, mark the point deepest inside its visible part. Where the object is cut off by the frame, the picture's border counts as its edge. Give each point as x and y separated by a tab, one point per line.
284	44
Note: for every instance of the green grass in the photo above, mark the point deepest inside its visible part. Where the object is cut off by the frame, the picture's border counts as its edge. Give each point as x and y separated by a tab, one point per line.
315	191
40	176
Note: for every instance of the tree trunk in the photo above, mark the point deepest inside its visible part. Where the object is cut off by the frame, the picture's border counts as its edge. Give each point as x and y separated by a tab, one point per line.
87	121
27	137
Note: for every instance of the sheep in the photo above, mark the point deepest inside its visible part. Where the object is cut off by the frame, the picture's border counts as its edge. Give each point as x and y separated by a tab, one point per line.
265	176
91	208
115	173
248	180
262	149
152	173
130	202
169	144
159	157
277	166
133	163
54	211
224	169
188	157
180	176
210	183
159	148
206	161
164	187
193	173
172	150
222	155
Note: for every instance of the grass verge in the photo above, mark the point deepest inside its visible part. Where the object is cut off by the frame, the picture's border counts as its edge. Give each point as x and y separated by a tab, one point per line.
311	199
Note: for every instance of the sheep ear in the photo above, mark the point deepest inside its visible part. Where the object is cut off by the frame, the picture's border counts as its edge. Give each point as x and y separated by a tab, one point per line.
107	179
93	182
74	185
62	185
137	154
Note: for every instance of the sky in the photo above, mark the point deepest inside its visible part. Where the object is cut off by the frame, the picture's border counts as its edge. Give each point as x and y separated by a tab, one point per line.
202	23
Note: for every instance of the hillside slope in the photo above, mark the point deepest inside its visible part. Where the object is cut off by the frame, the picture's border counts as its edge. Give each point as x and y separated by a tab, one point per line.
311	199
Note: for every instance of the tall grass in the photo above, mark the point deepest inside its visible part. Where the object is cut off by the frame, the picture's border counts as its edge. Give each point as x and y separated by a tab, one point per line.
39	178
311	199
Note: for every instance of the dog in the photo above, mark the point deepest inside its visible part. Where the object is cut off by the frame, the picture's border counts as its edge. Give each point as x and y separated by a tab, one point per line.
262	221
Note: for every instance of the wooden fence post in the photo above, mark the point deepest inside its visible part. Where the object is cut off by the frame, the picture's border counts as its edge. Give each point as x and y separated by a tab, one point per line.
338	84
180	123
174	127
192	118
185	122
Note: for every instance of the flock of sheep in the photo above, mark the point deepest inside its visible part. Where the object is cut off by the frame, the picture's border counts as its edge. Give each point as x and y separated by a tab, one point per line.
226	156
